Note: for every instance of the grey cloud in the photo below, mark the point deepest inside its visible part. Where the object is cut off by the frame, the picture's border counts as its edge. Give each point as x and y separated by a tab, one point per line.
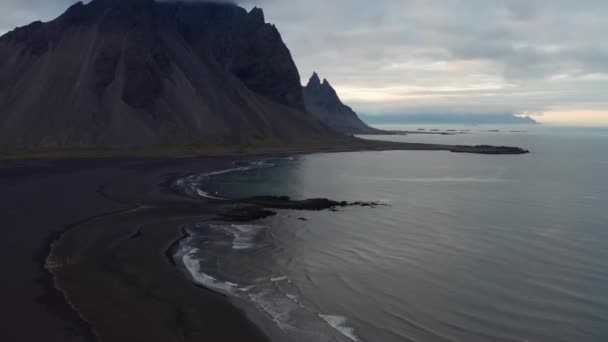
474	55
538	53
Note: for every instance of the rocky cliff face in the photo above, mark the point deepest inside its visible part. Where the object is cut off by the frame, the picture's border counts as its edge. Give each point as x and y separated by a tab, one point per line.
322	101
243	44
117	73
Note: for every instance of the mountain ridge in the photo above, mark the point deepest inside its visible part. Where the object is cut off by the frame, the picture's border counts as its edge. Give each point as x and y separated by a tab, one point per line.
141	78
322	100
139	73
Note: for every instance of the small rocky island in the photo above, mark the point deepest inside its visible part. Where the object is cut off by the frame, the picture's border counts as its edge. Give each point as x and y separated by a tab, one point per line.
487	149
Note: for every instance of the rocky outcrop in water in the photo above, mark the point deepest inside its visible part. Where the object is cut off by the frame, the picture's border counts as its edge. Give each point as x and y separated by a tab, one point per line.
487	149
255	208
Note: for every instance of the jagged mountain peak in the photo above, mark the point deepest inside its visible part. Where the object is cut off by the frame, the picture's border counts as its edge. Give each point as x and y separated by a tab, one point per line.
258	13
115	73
314	80
322	100
329	89
322	90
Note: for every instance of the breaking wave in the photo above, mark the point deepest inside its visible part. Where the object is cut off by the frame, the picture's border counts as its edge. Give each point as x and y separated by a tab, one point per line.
215	255
194	185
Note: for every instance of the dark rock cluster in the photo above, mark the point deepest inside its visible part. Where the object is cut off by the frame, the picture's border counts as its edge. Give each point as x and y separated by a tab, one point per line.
487	149
255	208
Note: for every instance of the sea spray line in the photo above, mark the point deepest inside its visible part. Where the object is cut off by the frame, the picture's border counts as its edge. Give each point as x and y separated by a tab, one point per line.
265	293
271	295
339	323
193	266
191	185
243	234
281	278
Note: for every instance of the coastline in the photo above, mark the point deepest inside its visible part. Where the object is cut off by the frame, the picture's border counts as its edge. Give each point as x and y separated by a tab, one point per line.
345	144
145	297
76	193
143	185
125	256
128	256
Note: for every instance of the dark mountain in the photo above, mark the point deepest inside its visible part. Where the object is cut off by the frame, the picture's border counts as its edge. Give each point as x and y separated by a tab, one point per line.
322	101
117	73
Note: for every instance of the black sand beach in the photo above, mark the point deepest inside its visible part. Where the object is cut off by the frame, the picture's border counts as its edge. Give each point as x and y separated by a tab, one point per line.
42	199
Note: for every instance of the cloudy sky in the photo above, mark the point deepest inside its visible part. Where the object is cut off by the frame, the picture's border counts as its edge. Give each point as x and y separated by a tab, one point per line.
539	57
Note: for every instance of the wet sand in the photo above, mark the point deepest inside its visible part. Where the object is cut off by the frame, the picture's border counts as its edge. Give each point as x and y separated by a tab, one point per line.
115	271
110	258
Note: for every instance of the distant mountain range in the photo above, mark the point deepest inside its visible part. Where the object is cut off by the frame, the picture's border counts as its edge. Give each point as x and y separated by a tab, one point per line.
467	119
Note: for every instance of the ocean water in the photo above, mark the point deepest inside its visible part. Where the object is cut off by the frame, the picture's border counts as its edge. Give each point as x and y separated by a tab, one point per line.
468	247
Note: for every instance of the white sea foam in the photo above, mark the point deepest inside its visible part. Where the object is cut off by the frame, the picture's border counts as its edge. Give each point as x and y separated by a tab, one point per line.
339	323
192	264
205	194
243	235
247	288
240	245
285	309
221	172
275	279
191	184
275	307
247	228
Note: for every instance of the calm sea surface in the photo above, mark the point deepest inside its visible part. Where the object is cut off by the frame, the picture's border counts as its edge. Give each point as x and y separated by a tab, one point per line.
468	247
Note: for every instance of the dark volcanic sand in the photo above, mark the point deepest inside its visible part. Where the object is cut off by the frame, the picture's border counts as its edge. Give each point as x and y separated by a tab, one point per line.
38	200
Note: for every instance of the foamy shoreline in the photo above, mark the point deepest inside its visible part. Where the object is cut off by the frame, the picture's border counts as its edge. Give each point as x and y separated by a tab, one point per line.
122	256
264	301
